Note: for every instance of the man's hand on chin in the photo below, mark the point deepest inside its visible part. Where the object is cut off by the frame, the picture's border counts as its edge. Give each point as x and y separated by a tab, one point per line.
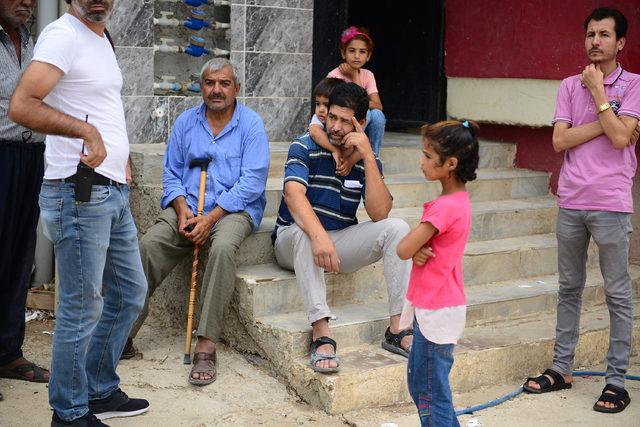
358	140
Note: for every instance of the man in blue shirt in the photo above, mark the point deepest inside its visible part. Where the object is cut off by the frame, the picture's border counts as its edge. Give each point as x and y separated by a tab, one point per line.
233	137
317	229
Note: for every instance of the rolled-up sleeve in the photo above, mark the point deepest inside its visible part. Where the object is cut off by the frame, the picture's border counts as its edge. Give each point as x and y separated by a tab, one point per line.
173	166
254	170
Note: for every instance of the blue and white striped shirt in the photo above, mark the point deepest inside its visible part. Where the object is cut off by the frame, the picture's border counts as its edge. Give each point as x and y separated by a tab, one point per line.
335	199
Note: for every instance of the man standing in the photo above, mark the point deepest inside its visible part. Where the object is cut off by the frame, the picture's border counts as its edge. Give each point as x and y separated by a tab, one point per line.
317	229
232	136
102	286
21	169
596	115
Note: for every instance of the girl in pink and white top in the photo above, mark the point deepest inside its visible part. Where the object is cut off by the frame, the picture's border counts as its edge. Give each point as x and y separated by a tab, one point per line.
435	302
356	46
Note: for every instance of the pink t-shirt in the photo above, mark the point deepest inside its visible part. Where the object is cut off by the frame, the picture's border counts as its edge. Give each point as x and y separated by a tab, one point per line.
367	79
439	283
594	175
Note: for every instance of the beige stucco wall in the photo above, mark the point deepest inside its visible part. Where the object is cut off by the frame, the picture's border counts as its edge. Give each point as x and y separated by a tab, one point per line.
525	102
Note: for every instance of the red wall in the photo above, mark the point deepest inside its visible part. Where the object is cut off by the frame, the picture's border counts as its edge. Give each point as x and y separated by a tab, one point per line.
527	38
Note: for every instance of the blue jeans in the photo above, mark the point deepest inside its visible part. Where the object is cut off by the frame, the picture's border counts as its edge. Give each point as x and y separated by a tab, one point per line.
428	378
101	290
374	128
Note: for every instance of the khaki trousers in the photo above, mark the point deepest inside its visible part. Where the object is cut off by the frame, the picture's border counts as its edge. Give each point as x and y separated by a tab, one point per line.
162	247
358	246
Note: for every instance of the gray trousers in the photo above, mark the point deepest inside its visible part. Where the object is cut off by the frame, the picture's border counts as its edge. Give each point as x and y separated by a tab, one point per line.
357	246
162	247
611	232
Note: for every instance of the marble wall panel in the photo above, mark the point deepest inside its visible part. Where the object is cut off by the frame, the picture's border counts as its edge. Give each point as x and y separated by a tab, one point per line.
301	4
146	118
237	60
179	104
279	30
284	118
136	64
275	74
131	23
237	27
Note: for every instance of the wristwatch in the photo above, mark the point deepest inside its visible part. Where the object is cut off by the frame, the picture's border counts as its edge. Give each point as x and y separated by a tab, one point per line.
603	107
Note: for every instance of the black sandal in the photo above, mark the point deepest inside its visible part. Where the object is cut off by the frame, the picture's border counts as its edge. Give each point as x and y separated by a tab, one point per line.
315	357
545	384
620	398
392	341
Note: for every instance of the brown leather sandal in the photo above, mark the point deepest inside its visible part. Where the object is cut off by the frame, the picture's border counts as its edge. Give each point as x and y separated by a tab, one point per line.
203	363
19	372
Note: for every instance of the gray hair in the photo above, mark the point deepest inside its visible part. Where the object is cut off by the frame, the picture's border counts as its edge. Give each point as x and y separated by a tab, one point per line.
217	64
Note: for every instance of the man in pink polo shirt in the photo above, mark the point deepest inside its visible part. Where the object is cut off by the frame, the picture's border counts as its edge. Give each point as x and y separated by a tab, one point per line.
596	125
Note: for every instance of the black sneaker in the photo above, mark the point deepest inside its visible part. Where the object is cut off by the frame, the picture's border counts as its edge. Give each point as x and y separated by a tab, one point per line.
117	404
89	420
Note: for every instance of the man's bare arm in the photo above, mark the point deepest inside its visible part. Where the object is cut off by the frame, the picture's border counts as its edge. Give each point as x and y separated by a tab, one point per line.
28	109
565	136
324	251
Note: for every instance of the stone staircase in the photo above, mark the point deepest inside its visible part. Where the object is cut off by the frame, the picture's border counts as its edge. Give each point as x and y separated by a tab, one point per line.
510	277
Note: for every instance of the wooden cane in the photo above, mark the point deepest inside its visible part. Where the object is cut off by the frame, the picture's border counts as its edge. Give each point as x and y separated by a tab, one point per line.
202	163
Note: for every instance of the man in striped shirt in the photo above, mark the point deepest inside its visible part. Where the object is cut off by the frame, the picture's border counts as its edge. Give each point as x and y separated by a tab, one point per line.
21	170
317	229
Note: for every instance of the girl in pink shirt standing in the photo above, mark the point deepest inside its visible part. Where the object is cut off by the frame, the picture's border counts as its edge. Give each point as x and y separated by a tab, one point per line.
435	302
356	46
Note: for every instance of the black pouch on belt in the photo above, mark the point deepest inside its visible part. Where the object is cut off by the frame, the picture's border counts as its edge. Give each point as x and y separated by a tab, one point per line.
84	181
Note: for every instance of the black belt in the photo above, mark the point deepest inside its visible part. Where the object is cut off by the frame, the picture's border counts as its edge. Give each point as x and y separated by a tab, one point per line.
97	180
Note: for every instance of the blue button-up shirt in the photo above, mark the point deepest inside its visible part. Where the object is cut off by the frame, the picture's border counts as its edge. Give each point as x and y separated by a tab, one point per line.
237	174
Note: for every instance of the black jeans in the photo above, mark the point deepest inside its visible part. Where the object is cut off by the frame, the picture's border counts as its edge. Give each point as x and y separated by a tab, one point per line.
21	170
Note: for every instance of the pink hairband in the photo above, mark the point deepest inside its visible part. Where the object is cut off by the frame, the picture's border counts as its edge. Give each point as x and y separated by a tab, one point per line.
350	33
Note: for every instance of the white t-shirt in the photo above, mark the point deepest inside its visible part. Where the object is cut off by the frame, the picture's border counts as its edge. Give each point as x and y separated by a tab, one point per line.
441	326
316	121
91	86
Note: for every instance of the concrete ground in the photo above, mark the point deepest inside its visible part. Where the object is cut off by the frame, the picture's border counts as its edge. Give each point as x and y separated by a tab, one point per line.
245	394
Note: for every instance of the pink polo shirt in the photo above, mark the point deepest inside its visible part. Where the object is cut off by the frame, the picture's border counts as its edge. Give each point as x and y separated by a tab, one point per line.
439	282
594	175
367	79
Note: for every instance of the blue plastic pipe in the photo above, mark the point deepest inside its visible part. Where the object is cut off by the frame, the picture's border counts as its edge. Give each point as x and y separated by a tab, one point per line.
519	390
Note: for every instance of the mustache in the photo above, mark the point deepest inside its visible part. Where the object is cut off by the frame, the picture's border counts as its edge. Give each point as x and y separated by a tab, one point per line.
216	96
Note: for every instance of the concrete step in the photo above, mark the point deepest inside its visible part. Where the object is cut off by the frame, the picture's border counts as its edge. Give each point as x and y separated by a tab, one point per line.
267	289
402	150
496	219
407	190
509	351
358	324
398	151
513	258
412	190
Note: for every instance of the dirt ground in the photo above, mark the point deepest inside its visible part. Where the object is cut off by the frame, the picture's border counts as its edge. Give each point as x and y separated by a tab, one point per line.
245	394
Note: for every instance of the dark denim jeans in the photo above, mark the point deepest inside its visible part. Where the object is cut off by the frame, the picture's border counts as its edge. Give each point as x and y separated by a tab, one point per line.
428	378
101	291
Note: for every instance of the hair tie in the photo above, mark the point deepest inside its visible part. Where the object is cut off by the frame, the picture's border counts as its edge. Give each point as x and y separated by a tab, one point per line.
350	33
466	124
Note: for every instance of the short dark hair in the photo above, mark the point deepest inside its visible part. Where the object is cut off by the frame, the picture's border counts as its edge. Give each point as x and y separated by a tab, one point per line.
453	138
350	95
607	12
326	86
68	1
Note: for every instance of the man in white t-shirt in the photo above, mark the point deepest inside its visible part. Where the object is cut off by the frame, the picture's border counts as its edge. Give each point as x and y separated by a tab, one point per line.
71	92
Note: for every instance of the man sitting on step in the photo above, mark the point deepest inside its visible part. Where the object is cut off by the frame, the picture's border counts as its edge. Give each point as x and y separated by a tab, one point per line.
233	137
317	230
